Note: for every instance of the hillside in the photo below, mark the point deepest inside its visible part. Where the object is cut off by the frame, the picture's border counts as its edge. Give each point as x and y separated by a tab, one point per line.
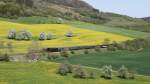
71	42
135	60
127	22
70	10
82	36
105	28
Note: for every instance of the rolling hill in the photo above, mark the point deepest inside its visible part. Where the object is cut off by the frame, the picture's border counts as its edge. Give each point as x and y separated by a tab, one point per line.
70	10
82	36
135	60
89	27
104	28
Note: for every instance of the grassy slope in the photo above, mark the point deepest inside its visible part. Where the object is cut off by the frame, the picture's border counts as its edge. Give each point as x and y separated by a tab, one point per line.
138	61
82	36
32	20
127	22
36	19
45	73
126	32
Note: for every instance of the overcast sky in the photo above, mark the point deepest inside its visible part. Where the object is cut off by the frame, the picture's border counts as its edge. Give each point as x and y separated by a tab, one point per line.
134	8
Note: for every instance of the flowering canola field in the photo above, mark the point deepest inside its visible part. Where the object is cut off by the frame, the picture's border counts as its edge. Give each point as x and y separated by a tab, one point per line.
82	36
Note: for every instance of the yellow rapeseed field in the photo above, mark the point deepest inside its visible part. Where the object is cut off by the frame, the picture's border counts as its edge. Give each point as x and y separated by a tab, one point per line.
82	36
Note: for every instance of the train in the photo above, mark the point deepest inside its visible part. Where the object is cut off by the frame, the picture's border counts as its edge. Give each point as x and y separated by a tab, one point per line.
60	49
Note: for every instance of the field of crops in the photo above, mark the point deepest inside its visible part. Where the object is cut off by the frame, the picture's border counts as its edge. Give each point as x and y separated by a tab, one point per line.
135	60
82	36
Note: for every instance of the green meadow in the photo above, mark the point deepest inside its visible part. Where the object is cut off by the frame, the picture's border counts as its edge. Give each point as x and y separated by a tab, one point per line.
135	60
46	73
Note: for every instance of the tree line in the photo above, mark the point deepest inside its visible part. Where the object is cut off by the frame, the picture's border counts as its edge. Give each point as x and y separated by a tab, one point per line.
26	35
131	45
107	72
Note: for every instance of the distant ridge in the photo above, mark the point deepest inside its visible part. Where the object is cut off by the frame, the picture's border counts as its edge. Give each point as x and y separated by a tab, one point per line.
146	19
70	10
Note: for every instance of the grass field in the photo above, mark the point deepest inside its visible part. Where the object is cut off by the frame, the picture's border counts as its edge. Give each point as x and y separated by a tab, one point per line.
134	60
45	73
82	36
115	30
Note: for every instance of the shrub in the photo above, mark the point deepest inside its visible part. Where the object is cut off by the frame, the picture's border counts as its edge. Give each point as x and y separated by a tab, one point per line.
70	68
49	36
80	73
112	48
52	57
107	72
72	52
19	36
69	34
12	34
23	35
27	35
132	75
4	57
121	46
63	70
86	52
42	36
123	72
64	54
92	75
60	21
